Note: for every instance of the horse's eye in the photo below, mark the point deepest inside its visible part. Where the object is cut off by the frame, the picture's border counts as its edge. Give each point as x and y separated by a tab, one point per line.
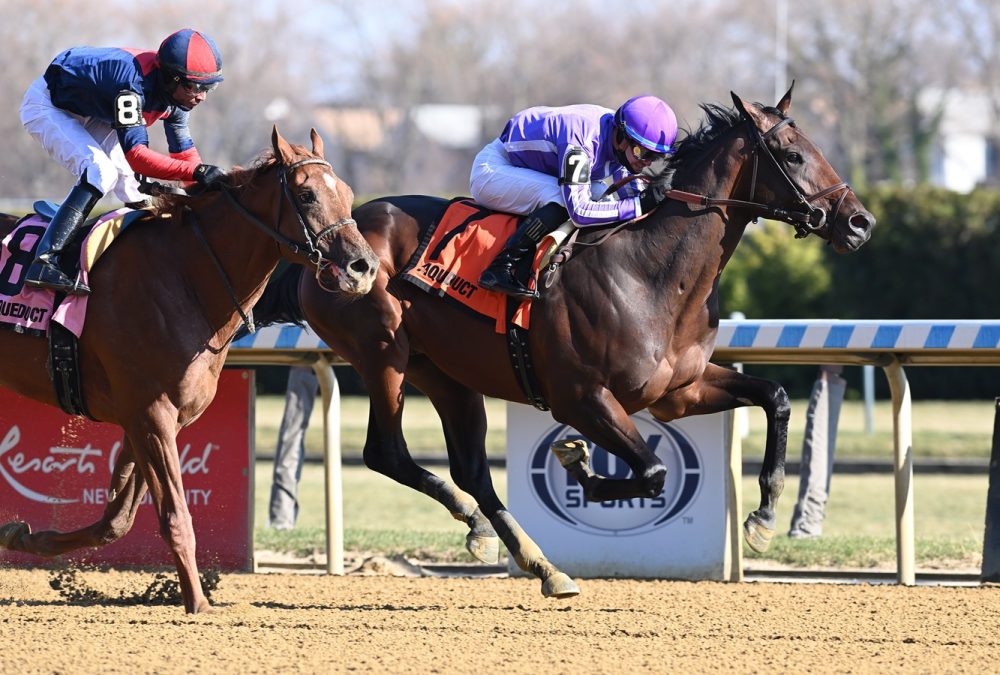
793	158
307	197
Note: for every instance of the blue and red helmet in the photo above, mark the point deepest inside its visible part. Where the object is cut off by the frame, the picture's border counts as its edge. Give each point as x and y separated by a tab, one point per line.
649	123
191	57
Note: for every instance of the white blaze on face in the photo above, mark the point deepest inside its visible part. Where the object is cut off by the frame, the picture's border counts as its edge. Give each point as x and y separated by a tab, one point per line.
330	181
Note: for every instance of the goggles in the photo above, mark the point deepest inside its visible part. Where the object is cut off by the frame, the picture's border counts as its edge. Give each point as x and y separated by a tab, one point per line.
645	154
197	87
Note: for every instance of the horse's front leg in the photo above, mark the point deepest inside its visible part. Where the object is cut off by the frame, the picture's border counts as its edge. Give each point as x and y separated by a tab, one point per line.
721	389
124	496
601	418
154	436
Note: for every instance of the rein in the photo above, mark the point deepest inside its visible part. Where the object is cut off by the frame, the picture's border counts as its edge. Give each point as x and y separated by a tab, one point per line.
309	248
806	222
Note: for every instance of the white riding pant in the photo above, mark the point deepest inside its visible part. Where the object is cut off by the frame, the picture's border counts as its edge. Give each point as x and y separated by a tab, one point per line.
497	184
86	146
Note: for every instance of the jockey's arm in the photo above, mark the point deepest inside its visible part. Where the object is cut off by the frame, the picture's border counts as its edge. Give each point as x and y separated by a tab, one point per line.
179	165
584	210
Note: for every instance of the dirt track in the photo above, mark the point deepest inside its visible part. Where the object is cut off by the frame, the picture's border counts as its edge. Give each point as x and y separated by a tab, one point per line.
295	623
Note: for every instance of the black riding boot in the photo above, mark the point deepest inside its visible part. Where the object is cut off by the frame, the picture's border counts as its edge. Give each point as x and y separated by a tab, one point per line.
45	272
501	275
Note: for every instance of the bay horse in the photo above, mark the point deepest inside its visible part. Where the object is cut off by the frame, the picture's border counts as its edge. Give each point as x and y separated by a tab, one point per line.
167	298
629	325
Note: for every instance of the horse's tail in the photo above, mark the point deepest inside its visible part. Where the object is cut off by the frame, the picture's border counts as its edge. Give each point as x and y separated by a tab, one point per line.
280	302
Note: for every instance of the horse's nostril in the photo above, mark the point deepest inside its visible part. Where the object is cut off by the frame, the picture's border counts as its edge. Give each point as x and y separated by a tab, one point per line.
359	266
862	221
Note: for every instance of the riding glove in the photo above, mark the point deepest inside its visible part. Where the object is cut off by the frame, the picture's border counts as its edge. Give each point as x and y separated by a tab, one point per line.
207	174
653	195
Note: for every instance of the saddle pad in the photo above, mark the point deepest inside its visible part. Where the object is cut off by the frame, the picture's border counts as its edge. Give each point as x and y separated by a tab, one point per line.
29	310
456	250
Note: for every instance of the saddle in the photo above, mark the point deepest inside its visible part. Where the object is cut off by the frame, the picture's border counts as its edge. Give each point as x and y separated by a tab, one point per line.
98	232
452	254
42	312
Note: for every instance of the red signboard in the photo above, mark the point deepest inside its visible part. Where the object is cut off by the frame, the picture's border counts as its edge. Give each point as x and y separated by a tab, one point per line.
55	471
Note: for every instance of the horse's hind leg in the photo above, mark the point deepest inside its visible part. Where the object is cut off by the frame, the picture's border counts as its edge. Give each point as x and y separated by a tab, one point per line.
124	497
463	418
722	389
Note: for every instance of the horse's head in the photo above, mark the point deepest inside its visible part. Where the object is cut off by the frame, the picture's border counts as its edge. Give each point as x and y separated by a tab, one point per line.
319	224
791	175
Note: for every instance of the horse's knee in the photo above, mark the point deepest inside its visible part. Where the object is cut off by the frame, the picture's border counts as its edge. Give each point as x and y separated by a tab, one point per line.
112	530
780	404
175	528
376	460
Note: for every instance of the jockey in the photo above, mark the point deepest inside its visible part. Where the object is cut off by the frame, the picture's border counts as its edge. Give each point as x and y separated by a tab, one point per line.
90	111
545	161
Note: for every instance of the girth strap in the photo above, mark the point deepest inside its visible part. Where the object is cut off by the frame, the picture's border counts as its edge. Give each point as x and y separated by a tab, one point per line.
64	369
520	358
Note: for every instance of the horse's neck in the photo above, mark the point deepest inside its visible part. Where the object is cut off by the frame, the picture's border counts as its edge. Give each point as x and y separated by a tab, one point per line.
720	174
245	257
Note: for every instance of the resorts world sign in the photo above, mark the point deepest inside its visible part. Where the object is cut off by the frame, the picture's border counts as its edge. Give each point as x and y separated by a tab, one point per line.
55	472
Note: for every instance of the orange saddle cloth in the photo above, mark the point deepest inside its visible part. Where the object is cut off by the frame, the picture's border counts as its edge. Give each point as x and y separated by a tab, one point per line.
456	250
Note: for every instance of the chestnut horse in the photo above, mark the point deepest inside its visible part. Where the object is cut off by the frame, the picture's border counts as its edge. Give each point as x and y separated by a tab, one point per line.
629	325
167	298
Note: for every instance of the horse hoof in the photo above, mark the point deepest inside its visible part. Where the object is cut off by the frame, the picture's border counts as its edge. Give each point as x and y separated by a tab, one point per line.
11	532
484	549
571	452
559	585
757	534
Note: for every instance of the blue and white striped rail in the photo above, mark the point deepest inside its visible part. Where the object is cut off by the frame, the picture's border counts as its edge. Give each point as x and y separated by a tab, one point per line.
927	342
784	341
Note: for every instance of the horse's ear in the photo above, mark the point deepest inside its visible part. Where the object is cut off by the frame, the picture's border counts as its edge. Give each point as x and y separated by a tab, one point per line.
786	101
749	111
317	142
282	149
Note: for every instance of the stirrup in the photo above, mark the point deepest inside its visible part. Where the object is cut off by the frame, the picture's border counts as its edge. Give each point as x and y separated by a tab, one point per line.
43	274
491	281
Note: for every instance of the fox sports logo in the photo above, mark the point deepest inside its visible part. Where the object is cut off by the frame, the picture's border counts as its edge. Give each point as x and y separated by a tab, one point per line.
561	495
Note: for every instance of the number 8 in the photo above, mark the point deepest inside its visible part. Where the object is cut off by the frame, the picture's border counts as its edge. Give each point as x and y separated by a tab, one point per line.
128	111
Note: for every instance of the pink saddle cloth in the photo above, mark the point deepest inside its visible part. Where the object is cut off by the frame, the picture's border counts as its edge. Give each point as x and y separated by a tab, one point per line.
30	310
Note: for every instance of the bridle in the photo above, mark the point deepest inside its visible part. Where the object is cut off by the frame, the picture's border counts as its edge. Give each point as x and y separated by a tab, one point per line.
312	241
310	248
809	220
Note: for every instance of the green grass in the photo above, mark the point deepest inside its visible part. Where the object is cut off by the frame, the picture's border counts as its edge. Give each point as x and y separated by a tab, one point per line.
423	427
941	430
952	429
379	515
382	516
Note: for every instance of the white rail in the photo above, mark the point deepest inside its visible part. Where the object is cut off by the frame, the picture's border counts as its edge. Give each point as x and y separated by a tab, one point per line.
887	344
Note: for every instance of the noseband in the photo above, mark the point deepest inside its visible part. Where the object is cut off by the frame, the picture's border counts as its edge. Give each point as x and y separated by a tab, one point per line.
810	220
310	248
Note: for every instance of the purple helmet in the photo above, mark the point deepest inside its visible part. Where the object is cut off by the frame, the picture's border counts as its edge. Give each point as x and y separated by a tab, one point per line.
191	57
649	122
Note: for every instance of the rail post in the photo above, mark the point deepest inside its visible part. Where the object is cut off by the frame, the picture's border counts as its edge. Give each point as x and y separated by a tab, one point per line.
991	539
330	390
902	433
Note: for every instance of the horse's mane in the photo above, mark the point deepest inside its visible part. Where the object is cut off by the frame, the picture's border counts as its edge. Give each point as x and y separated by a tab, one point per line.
718	120
238	178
